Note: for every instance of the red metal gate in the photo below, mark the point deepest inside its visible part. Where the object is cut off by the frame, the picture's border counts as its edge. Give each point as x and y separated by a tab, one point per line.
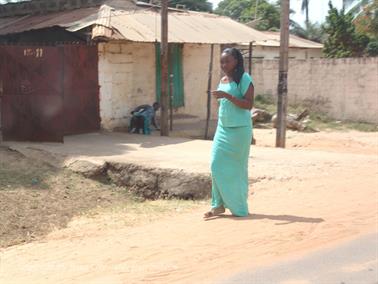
32	100
81	89
47	92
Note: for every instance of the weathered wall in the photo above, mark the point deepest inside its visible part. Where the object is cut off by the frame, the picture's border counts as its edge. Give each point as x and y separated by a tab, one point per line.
127	79
270	52
346	89
343	88
196	59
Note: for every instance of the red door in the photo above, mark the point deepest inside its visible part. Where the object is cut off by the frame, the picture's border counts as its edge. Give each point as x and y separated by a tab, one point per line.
31	90
81	89
48	92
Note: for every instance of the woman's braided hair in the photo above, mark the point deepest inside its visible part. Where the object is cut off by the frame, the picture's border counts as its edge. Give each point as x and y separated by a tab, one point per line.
239	68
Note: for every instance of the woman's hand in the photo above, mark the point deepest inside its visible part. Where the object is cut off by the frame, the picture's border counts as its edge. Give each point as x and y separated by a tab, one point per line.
219	94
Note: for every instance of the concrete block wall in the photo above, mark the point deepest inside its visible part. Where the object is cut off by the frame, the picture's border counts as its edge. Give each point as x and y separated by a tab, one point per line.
273	52
126	78
196	59
345	89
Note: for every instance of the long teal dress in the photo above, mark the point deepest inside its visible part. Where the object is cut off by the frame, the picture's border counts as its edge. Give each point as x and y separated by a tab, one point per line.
230	151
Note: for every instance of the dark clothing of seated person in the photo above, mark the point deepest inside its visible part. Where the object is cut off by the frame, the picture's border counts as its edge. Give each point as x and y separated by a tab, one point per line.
142	117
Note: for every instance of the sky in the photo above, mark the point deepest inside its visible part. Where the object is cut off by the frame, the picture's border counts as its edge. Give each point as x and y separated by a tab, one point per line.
318	9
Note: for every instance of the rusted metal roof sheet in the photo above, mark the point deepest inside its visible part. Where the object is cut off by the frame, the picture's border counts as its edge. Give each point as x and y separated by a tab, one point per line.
66	19
140	25
183	27
294	41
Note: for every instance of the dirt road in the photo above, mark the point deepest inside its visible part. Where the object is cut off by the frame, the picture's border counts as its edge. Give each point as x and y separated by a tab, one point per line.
306	200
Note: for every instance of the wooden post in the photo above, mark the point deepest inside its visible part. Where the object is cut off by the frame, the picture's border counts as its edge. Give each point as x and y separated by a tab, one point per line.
164	99
250	57
282	75
171	102
209	92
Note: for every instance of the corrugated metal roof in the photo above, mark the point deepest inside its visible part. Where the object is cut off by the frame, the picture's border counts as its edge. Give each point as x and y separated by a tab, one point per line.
140	25
183	27
294	41
66	19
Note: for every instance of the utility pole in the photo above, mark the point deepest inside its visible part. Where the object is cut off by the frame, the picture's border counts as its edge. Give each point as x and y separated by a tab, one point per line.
208	110
250	57
282	75
164	99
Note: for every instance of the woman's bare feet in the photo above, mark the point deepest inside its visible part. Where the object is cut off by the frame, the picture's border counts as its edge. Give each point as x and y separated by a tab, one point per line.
214	212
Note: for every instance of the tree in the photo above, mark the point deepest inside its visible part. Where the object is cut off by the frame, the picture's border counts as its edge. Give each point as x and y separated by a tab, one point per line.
311	31
305	4
265	15
342	38
347	3
235	8
366	21
194	5
355	7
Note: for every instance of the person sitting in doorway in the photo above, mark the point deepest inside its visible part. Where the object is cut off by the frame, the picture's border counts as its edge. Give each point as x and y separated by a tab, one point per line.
142	117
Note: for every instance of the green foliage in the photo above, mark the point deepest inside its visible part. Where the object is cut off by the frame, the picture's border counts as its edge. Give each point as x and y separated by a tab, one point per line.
269	16
372	48
266	17
342	38
235	9
194	5
311	31
356	7
366	21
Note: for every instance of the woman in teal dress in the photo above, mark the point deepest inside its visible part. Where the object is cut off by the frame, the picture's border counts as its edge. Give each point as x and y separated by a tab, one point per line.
232	140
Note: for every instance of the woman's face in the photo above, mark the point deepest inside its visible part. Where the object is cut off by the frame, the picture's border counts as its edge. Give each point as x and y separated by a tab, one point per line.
228	63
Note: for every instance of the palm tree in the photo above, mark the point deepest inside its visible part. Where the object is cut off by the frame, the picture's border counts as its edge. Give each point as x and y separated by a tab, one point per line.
311	31
305	4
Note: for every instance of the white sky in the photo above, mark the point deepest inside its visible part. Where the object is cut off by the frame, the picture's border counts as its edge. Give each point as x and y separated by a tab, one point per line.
317	11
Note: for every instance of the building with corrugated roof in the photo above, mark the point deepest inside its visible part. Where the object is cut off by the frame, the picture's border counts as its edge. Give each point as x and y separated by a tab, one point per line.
126	34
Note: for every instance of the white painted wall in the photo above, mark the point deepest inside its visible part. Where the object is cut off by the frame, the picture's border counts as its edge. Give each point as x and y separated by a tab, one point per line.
270	52
196	59
126	78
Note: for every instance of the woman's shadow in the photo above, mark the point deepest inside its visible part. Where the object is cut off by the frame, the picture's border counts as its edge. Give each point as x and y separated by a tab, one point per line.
286	219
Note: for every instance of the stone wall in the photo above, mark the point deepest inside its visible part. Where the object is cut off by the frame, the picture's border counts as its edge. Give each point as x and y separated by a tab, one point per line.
345	89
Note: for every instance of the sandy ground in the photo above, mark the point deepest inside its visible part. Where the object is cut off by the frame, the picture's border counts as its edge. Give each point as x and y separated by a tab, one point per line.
301	200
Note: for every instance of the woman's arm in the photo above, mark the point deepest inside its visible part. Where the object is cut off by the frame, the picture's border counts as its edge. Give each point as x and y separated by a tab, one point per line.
245	103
